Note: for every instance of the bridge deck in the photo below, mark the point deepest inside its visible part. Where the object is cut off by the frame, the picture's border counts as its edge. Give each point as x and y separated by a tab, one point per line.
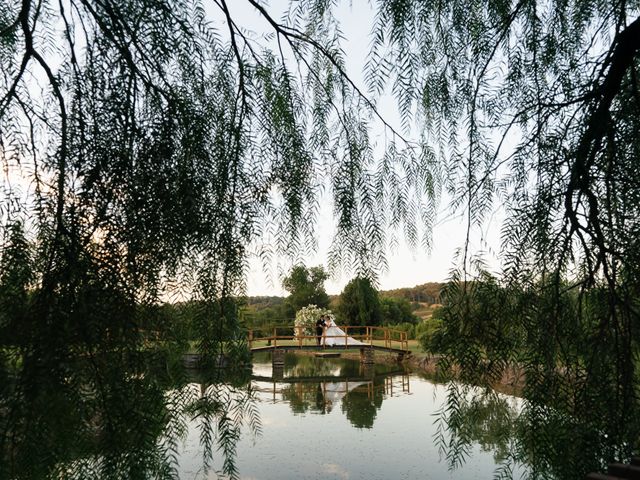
268	348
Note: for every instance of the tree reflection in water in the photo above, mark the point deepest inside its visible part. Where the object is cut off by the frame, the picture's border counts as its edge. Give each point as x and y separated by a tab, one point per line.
117	416
125	415
315	385
524	436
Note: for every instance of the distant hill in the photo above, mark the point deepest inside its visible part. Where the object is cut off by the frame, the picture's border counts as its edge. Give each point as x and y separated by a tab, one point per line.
423	299
425	293
264	301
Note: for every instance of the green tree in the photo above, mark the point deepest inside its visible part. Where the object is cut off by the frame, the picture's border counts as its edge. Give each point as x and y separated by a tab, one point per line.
396	310
16	280
538	105
305	287
359	303
161	145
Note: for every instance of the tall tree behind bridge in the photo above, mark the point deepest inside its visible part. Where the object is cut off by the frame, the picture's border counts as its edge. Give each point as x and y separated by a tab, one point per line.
305	287
359	303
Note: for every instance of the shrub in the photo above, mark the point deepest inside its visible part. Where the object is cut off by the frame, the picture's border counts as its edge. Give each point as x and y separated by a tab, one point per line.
427	333
405	327
306	318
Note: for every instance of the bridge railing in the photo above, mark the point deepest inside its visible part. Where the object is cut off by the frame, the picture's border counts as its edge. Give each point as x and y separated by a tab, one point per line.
369	335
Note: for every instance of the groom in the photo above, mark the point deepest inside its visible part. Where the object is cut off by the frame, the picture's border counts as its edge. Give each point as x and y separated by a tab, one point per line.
320	324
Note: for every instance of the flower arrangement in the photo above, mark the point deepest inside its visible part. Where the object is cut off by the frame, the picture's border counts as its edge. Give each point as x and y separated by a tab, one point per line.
306	318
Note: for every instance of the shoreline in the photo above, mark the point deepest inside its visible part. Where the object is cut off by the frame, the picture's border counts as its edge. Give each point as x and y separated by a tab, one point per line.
511	383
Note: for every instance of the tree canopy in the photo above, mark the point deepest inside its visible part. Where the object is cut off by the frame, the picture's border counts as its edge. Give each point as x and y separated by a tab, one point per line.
359	304
148	150
396	310
305	287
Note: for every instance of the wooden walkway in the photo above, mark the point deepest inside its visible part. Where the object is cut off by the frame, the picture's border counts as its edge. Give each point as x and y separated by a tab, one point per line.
371	338
281	346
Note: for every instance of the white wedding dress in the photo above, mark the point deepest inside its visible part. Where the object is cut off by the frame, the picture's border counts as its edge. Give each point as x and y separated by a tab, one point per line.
336	336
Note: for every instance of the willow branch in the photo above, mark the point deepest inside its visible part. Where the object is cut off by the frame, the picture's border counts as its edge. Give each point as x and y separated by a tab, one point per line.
292	33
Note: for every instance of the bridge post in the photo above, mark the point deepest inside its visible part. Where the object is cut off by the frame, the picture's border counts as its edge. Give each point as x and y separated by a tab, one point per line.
366	356
277	363
277	372
367	370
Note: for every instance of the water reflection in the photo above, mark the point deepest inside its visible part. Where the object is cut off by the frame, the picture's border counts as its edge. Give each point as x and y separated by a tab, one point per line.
317	385
118	416
525	436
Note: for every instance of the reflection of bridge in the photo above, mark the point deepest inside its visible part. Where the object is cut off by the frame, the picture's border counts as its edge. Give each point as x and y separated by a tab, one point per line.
325	378
367	339
333	387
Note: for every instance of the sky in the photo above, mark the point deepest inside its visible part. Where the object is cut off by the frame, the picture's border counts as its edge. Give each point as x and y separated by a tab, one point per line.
406	267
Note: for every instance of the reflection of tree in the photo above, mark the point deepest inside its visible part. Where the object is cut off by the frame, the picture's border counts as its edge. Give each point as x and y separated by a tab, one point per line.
361	408
323	397
110	416
304	397
340	381
307	366
221	411
360	400
549	443
469	417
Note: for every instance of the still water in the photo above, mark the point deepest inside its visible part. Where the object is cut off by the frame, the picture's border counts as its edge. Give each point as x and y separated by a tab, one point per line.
334	419
124	417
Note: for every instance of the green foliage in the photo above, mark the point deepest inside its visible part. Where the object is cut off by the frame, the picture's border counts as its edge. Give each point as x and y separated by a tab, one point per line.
305	287
161	145
409	328
396	310
427	333
16	281
535	107
478	318
359	303
129	422
552	334
264	317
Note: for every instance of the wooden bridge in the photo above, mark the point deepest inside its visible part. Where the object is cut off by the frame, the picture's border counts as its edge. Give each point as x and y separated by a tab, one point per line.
280	339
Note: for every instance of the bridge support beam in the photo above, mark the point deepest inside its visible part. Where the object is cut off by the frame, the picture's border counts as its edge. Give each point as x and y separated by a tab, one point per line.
366	356
277	364
277	372
277	357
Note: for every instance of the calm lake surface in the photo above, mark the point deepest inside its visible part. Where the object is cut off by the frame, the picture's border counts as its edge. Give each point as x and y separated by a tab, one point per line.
332	418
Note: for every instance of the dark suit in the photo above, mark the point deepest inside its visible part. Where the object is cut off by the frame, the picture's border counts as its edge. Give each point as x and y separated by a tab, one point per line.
319	329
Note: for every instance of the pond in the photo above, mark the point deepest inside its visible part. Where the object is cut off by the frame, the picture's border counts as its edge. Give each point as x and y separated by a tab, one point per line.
333	418
142	415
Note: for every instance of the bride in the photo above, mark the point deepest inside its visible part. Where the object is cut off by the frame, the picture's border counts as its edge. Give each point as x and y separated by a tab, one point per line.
333	335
